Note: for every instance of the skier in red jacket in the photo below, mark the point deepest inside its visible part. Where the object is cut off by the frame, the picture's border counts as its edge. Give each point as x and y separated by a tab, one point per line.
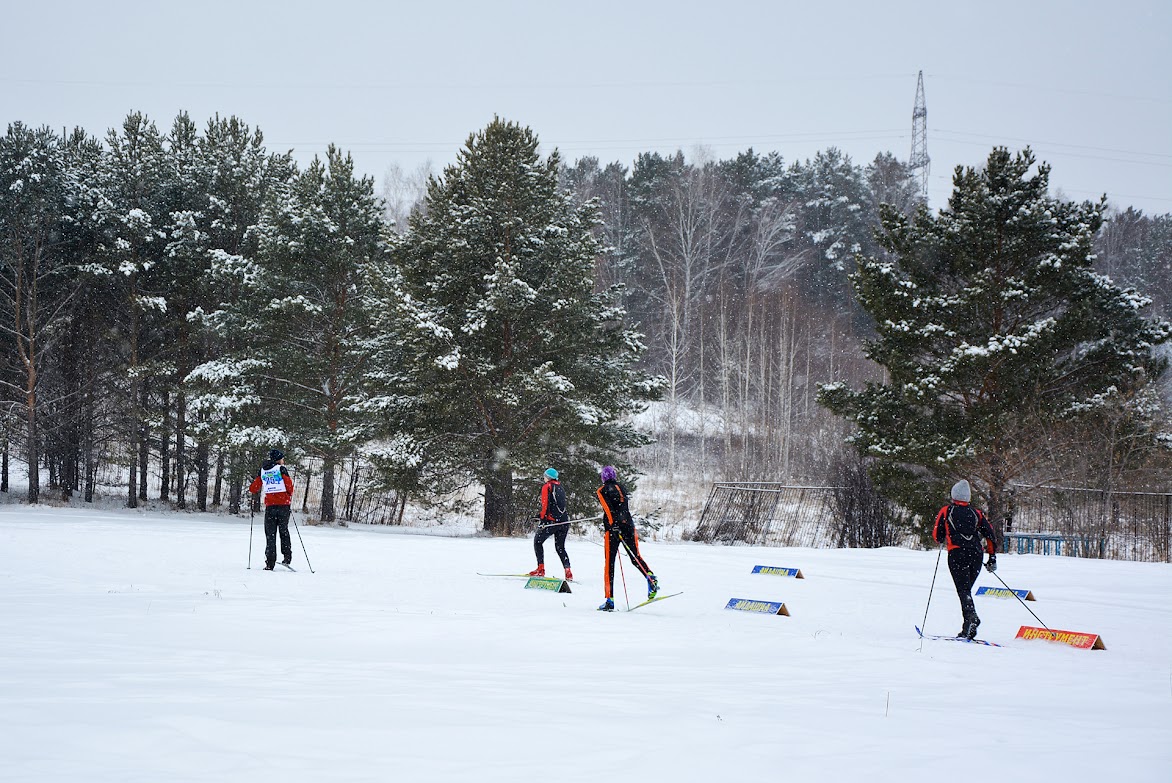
968	534
274	480
552	520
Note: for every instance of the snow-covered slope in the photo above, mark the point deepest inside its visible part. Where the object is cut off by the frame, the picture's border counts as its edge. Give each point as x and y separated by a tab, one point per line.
139	647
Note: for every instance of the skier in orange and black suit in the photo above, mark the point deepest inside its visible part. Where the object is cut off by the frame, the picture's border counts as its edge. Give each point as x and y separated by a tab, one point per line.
969	535
619	531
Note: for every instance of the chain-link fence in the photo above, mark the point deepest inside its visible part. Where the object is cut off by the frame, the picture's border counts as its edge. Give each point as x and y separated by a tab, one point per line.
1095	523
1088	523
767	514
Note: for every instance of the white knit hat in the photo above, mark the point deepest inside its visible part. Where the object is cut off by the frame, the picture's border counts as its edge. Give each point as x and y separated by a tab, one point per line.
962	492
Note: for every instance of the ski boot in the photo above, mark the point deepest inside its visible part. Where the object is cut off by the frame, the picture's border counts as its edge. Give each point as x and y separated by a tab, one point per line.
268	566
569	575
970	628
652	586
607	606
539	571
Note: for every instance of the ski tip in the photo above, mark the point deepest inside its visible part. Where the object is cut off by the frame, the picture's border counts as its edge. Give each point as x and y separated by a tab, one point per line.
655	600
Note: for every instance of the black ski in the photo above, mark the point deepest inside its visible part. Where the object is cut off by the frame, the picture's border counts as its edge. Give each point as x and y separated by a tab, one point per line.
955	639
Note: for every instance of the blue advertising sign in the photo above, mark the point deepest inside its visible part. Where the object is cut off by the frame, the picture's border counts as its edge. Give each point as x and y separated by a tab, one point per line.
761	607
778	571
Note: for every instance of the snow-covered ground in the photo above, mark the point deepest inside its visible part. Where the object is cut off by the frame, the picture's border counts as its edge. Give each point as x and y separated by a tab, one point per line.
139	647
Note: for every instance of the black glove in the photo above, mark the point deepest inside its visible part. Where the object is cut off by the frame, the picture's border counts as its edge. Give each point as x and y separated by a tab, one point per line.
991	566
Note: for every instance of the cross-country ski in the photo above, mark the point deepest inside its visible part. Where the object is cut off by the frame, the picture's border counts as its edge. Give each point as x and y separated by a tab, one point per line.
653	600
964	639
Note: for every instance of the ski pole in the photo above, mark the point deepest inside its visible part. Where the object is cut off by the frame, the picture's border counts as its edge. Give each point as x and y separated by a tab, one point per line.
924	622
631	554
302	540
1018	597
251	520
567	522
626	597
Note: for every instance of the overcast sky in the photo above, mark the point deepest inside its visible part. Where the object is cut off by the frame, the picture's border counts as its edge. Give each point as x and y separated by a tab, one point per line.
1087	84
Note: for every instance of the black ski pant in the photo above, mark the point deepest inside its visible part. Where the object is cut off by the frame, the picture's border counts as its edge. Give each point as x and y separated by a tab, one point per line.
621	535
965	565
559	533
277	519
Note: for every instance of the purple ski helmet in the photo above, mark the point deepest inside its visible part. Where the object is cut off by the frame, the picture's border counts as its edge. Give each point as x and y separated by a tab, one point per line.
608	474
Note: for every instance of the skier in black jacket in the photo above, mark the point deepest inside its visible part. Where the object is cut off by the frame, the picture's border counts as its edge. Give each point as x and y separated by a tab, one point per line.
552	521
619	530
968	534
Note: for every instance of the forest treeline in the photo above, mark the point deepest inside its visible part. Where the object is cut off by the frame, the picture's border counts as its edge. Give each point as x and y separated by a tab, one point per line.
176	302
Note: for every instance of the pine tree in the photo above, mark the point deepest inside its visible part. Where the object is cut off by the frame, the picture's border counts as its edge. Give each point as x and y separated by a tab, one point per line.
836	222
506	360
37	284
184	211
992	328
134	252
229	179
301	333
82	364
890	181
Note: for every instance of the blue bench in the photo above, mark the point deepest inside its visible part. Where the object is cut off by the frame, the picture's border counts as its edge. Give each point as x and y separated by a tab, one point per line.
1053	543
1035	543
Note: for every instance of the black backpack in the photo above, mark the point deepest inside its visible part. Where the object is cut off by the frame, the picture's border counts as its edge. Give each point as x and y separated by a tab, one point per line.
964	522
557	503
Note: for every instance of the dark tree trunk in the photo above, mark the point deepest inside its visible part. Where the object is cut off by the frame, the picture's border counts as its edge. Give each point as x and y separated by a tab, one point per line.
201	471
997	494
165	452
498	502
305	492
235	472
70	449
327	492
144	442
352	491
88	459
134	424
219	485
132	485
91	468
34	457
181	450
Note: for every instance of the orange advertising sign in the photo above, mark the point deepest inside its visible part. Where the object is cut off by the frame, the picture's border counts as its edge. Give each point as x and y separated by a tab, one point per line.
1083	641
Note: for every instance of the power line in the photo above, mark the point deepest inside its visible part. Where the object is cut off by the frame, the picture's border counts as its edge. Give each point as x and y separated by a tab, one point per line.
1051	88
1083	190
462	85
1062	154
1055	143
798	136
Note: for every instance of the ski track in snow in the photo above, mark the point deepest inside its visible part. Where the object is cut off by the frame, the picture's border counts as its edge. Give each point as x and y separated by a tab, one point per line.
139	647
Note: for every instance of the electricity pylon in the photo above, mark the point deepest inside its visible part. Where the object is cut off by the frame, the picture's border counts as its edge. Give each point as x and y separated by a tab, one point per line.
919	163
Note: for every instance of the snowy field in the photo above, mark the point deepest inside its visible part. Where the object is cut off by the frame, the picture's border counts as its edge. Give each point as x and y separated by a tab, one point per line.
139	647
